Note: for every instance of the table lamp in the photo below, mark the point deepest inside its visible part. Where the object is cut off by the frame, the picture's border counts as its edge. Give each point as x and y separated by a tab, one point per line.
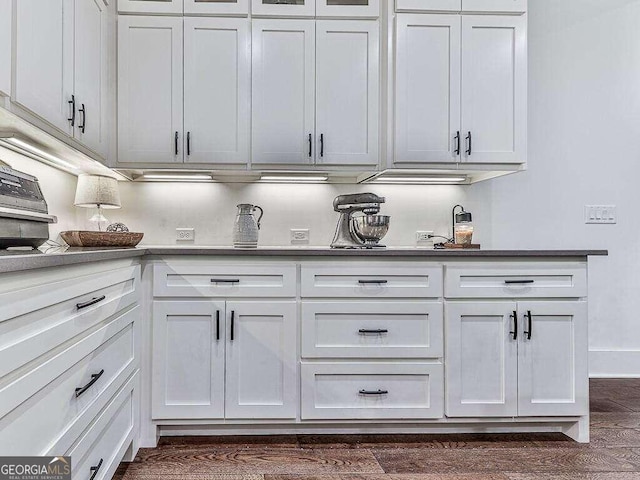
97	191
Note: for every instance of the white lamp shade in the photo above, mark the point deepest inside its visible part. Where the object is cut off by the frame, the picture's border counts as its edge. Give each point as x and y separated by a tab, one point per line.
97	190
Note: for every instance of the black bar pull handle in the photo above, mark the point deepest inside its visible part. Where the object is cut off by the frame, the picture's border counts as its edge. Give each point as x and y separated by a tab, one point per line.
188	143
469	144
529	325
72	103
322	144
373	282
373	392
175	143
310	145
225	280
217	324
514	332
94	378
380	331
83	110
519	282
233	321
93	301
458	144
94	470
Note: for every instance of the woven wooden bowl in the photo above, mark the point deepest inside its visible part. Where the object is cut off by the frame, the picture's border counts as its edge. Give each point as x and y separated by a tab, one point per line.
101	239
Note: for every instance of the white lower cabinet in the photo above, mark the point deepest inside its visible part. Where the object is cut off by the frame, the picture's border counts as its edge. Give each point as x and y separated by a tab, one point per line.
507	359
216	359
349	391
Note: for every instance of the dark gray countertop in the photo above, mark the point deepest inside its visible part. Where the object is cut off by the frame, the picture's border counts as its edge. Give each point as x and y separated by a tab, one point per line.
17	261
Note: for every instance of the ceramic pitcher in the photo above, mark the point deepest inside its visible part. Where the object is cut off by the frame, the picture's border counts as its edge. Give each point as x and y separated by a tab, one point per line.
246	227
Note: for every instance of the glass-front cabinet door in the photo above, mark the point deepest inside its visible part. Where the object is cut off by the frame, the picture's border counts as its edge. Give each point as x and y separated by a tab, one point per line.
216	7
348	8
284	8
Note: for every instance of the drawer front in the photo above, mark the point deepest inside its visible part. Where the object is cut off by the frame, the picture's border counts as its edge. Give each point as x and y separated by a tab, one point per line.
35	320
345	391
397	280
102	446
27	425
516	281
224	281
372	329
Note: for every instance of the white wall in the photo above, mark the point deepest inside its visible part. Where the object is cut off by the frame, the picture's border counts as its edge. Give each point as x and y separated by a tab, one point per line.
584	149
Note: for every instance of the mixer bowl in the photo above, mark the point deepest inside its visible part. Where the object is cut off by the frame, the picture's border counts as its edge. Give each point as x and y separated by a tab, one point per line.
371	228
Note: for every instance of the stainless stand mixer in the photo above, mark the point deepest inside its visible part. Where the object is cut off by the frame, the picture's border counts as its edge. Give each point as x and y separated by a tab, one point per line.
360	231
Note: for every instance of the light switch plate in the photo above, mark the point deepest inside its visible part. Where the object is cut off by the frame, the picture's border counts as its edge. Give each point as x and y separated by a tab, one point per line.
600	214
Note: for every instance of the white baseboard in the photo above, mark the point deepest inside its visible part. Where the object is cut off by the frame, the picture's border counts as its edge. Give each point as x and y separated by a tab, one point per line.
614	363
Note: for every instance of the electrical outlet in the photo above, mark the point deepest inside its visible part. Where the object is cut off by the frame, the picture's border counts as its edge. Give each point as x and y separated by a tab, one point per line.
600	214
185	234
299	236
423	240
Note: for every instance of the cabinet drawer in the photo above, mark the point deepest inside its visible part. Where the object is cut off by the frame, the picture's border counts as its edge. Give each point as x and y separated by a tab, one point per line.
516	281
35	320
332	391
104	443
41	411
224	281
372	281
372	329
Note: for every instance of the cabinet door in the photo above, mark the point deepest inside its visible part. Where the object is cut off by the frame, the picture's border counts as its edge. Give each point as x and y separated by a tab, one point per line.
188	360
284	78
347	96
150	6
494	88
217	90
481	358
44	60
497	6
150	90
553	377
427	88
284	8
6	35
348	8
91	74
216	7
429	5
262	368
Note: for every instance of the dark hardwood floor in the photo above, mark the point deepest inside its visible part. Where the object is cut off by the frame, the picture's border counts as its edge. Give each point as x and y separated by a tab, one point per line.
614	452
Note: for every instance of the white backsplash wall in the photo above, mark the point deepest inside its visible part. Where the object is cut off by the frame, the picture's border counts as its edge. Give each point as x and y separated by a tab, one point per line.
157	209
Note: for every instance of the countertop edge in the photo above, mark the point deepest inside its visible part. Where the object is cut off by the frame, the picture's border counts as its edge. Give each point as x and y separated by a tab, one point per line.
17	262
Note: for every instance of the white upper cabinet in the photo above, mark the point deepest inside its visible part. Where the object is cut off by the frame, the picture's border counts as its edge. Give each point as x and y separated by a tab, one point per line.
151	6
216	7
44	60
347	96
553	359
150	88
217	90
6	35
427	90
283	85
494	89
348	8
495	6
284	8
262	360
91	74
429	5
